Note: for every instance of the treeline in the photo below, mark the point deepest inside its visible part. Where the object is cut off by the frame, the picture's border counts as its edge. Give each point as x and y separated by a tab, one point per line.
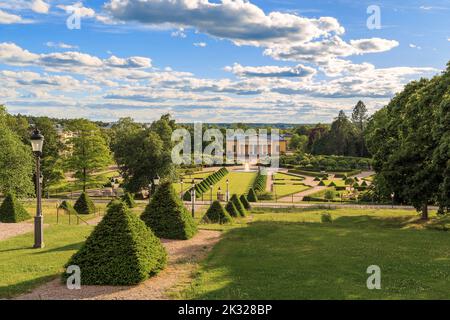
344	137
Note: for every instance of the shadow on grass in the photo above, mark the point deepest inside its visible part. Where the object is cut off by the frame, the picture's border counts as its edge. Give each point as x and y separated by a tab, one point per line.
10	291
69	247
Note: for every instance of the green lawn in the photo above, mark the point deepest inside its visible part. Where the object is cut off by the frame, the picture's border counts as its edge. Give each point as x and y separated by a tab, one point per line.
95	181
295	256
284	190
23	268
279	176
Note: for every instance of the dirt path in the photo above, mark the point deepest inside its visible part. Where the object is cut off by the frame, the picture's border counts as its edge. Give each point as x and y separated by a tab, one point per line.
183	256
8	230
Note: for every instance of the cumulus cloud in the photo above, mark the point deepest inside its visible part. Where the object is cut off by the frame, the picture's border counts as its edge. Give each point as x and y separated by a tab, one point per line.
9	18
200	44
79	9
39	6
298	71
60	45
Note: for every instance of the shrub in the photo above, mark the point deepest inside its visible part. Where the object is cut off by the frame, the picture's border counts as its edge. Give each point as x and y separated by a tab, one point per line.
167	216
316	178
84	204
238	204
364	184
67	206
321	183
332	184
330	194
217	214
326	218
128	199
245	202
251	197
12	211
120	251
232	210
187	196
260	182
266	195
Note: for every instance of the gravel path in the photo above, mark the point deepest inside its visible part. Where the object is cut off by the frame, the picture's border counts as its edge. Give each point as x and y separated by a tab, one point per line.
183	256
8	230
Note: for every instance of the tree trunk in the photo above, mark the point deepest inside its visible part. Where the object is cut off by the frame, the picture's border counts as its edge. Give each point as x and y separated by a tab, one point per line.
84	179
425	212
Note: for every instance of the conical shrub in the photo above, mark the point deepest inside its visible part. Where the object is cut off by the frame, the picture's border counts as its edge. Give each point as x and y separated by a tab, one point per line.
187	196
167	216
251	197
120	251
217	214
128	199
232	210
84	204
67	206
12	211
321	183
238	204
245	202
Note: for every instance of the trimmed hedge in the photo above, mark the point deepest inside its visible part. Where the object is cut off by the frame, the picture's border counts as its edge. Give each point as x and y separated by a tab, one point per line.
252	197
187	195
84	204
12	211
321	183
67	206
259	185
205	184
128	199
167	216
238	204
217	214
232	210
316	179
120	251
245	202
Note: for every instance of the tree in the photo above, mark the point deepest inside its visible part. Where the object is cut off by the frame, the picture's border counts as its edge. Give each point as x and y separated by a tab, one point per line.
359	119
143	153
16	162
89	150
167	216
409	143
120	251
84	204
330	194
12	211
298	143
217	214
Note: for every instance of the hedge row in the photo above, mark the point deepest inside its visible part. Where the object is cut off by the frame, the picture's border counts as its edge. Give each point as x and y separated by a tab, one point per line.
204	186
259	185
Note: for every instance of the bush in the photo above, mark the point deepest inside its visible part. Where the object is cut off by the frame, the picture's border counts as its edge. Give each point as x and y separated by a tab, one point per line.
266	195
238	204
245	202
260	182
321	183
217	214
330	194
167	216
332	184
316	178
84	204
326	218
12	211
232	210
187	196
120	251
128	199
67	206
251	197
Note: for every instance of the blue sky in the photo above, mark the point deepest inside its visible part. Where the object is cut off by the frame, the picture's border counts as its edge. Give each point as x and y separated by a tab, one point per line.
215	60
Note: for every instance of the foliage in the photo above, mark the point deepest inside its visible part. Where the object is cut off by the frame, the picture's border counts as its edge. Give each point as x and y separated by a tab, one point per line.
259	185
68	207
251	196
128	199
326	218
12	211
209	181
167	216
217	214
238	204
232	210
120	251
142	153
89	150
84	204
245	202
330	194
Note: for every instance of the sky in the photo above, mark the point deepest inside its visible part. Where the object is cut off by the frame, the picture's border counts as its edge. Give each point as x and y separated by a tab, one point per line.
266	61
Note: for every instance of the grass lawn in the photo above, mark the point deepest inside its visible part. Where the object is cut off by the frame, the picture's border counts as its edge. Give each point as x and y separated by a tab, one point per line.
292	255
279	176
95	181
283	190
23	268
239	183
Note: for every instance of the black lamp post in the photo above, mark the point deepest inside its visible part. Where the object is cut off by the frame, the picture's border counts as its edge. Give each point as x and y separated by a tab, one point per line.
228	192
182	190
37	141
193	197
392	197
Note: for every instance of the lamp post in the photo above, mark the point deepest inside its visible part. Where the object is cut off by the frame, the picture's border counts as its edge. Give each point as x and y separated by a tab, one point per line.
37	142
210	196
193	198
392	198
149	192
228	191
182	190
219	190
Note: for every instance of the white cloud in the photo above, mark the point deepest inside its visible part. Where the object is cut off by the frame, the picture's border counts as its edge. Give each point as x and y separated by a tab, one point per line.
271	71
61	45
413	46
40	6
9	18
200	44
78	8
179	33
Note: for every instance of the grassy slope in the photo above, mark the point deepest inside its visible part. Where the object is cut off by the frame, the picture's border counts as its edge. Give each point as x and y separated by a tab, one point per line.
300	258
23	268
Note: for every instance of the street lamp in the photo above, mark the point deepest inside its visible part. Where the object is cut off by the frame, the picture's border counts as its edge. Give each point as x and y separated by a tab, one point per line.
156	180
37	142
182	190
193	198
392	198
219	195
228	192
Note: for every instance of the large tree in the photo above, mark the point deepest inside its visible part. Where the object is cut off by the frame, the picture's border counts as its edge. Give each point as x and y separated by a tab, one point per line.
359	119
16	161
142	153
89	150
410	144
